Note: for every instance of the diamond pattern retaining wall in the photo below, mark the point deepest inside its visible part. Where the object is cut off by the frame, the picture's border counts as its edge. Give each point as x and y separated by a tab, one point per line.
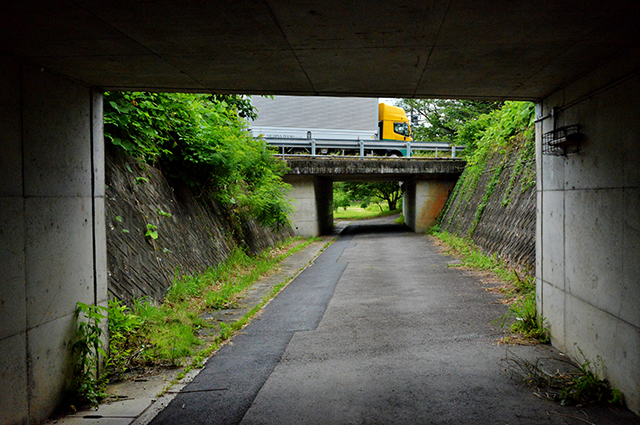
193	233
507	226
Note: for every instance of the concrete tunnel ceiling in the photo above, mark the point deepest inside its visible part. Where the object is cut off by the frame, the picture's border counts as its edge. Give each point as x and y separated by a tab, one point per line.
459	48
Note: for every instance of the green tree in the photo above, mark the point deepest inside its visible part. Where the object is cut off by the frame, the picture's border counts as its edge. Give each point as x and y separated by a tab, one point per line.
341	198
445	120
374	192
201	140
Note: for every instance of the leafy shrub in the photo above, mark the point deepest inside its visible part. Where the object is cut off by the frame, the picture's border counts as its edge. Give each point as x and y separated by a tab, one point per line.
203	141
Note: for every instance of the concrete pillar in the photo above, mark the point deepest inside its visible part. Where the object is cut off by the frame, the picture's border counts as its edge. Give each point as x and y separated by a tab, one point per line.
588	233
52	232
422	202
312	199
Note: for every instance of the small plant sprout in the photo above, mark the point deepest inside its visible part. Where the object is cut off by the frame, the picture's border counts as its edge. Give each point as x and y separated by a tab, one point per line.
152	231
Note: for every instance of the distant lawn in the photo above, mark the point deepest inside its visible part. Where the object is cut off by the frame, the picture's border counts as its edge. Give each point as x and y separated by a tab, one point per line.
357	213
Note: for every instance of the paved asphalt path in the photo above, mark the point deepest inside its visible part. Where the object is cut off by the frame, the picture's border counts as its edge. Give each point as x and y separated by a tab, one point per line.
377	331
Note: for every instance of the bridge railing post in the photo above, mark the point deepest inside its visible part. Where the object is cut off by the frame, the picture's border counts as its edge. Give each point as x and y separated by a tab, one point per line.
453	151
408	144
361	143
313	147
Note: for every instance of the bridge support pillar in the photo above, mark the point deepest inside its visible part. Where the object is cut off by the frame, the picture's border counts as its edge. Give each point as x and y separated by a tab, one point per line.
422	202
312	199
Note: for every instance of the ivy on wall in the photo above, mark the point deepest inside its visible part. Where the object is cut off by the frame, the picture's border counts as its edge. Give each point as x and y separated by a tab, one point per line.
500	136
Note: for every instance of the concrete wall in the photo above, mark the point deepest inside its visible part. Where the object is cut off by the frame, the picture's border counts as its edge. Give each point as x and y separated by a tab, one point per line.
312	200
588	230
422	202
52	233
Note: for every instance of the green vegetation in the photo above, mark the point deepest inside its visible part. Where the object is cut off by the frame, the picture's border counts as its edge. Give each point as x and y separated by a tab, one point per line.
581	386
201	140
174	333
519	289
503	141
448	120
87	385
346	194
359	213
168	333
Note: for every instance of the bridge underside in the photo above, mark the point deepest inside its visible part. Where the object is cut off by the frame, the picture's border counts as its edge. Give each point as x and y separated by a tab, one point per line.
426	184
312	198
578	59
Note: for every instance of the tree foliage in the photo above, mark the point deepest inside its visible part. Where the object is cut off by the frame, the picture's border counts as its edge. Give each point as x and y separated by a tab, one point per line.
201	140
446	120
366	193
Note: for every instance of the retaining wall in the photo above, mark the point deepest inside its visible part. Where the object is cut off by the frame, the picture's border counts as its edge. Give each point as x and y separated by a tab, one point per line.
193	233
499	211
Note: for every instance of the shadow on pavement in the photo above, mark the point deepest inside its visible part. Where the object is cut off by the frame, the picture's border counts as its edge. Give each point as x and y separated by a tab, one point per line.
374	228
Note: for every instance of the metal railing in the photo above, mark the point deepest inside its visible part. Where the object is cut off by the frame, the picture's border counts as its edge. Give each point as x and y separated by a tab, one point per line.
317	147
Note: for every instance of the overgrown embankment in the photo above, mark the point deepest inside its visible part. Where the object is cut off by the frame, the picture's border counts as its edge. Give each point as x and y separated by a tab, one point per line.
186	183
494	201
156	231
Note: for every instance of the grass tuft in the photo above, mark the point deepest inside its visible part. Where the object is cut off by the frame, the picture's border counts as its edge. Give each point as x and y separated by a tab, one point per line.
579	385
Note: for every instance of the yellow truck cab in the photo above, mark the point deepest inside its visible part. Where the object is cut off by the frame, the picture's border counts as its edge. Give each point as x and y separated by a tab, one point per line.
393	123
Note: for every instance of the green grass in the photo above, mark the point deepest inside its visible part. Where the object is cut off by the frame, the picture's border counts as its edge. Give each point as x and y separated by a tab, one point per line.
167	334
357	213
519	288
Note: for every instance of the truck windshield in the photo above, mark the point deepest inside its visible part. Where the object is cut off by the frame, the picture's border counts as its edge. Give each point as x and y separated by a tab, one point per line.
401	128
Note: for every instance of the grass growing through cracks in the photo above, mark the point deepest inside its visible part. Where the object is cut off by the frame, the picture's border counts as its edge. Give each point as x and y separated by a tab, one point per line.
168	334
520	290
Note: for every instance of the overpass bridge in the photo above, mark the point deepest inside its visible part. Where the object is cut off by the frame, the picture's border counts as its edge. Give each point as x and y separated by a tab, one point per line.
426	185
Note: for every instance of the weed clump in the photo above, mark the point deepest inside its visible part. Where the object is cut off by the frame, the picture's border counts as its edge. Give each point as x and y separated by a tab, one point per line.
524	319
581	385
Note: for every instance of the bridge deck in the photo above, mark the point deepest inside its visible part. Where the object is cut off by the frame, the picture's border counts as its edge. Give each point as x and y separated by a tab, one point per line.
376	168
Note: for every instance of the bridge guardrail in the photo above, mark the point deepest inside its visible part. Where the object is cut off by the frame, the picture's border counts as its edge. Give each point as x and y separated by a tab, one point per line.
362	146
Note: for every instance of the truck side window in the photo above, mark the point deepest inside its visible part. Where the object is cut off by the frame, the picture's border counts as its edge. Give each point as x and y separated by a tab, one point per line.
401	128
